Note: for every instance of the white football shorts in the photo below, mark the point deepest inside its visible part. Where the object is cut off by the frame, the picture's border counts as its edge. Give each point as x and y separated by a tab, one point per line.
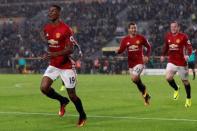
69	76
136	70
182	70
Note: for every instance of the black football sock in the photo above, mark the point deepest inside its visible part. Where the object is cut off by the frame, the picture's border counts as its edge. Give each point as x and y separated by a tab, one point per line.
188	91
141	86
173	84
54	95
194	75
78	104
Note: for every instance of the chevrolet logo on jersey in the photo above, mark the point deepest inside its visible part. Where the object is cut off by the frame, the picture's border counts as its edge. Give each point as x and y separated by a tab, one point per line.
133	47
52	42
173	46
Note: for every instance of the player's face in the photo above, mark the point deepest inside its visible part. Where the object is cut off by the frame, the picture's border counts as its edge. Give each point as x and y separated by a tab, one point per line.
53	13
132	29
174	28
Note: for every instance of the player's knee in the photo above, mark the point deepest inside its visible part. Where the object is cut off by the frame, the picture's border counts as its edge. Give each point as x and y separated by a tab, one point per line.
185	82
44	88
135	79
168	78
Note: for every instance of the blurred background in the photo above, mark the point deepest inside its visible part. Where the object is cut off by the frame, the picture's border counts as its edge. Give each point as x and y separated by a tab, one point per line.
99	26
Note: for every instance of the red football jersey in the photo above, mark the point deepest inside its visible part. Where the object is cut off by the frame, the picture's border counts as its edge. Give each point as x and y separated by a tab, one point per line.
59	36
174	45
134	46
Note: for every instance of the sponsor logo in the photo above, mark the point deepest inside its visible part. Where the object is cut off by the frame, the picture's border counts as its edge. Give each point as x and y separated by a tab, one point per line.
173	46
52	42
133	47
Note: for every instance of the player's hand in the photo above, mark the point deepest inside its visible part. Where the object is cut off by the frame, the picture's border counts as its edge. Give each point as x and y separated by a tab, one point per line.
186	57
162	58
45	57
48	55
145	59
116	51
80	54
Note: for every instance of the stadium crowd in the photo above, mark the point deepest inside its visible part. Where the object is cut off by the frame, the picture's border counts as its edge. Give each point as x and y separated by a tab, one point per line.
94	24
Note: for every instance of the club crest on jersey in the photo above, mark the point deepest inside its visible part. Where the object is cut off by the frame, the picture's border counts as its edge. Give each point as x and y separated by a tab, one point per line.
137	42
178	41
128	43
169	41
57	35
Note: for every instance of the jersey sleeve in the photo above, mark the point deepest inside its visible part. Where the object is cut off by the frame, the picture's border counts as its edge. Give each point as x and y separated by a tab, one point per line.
188	45
71	36
148	47
123	46
165	46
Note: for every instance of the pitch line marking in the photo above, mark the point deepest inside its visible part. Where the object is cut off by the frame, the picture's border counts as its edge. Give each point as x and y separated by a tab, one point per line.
101	116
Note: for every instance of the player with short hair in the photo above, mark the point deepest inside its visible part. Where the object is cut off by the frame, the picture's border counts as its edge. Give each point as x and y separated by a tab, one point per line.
134	44
174	45
60	43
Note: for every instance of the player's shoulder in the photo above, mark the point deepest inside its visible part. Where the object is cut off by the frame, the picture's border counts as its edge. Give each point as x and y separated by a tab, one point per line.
126	37
168	34
46	26
183	34
140	36
66	26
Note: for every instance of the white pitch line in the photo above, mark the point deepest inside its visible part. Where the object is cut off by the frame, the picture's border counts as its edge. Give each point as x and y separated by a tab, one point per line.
100	116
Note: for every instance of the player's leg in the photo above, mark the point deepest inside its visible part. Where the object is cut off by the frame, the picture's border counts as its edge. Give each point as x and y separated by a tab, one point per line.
69	78
194	74
135	77
78	105
183	72
171	70
50	75
192	66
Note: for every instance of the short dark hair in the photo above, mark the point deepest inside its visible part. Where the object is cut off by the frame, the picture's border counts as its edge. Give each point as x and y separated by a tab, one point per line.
131	23
174	21
57	7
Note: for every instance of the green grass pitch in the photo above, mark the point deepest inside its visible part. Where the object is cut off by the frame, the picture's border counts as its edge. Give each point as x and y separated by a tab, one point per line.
112	103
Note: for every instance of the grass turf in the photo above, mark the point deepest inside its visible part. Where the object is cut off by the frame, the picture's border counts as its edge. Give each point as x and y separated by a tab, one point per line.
112	103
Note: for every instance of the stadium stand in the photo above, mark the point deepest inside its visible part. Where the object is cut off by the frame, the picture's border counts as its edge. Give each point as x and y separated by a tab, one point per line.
96	23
